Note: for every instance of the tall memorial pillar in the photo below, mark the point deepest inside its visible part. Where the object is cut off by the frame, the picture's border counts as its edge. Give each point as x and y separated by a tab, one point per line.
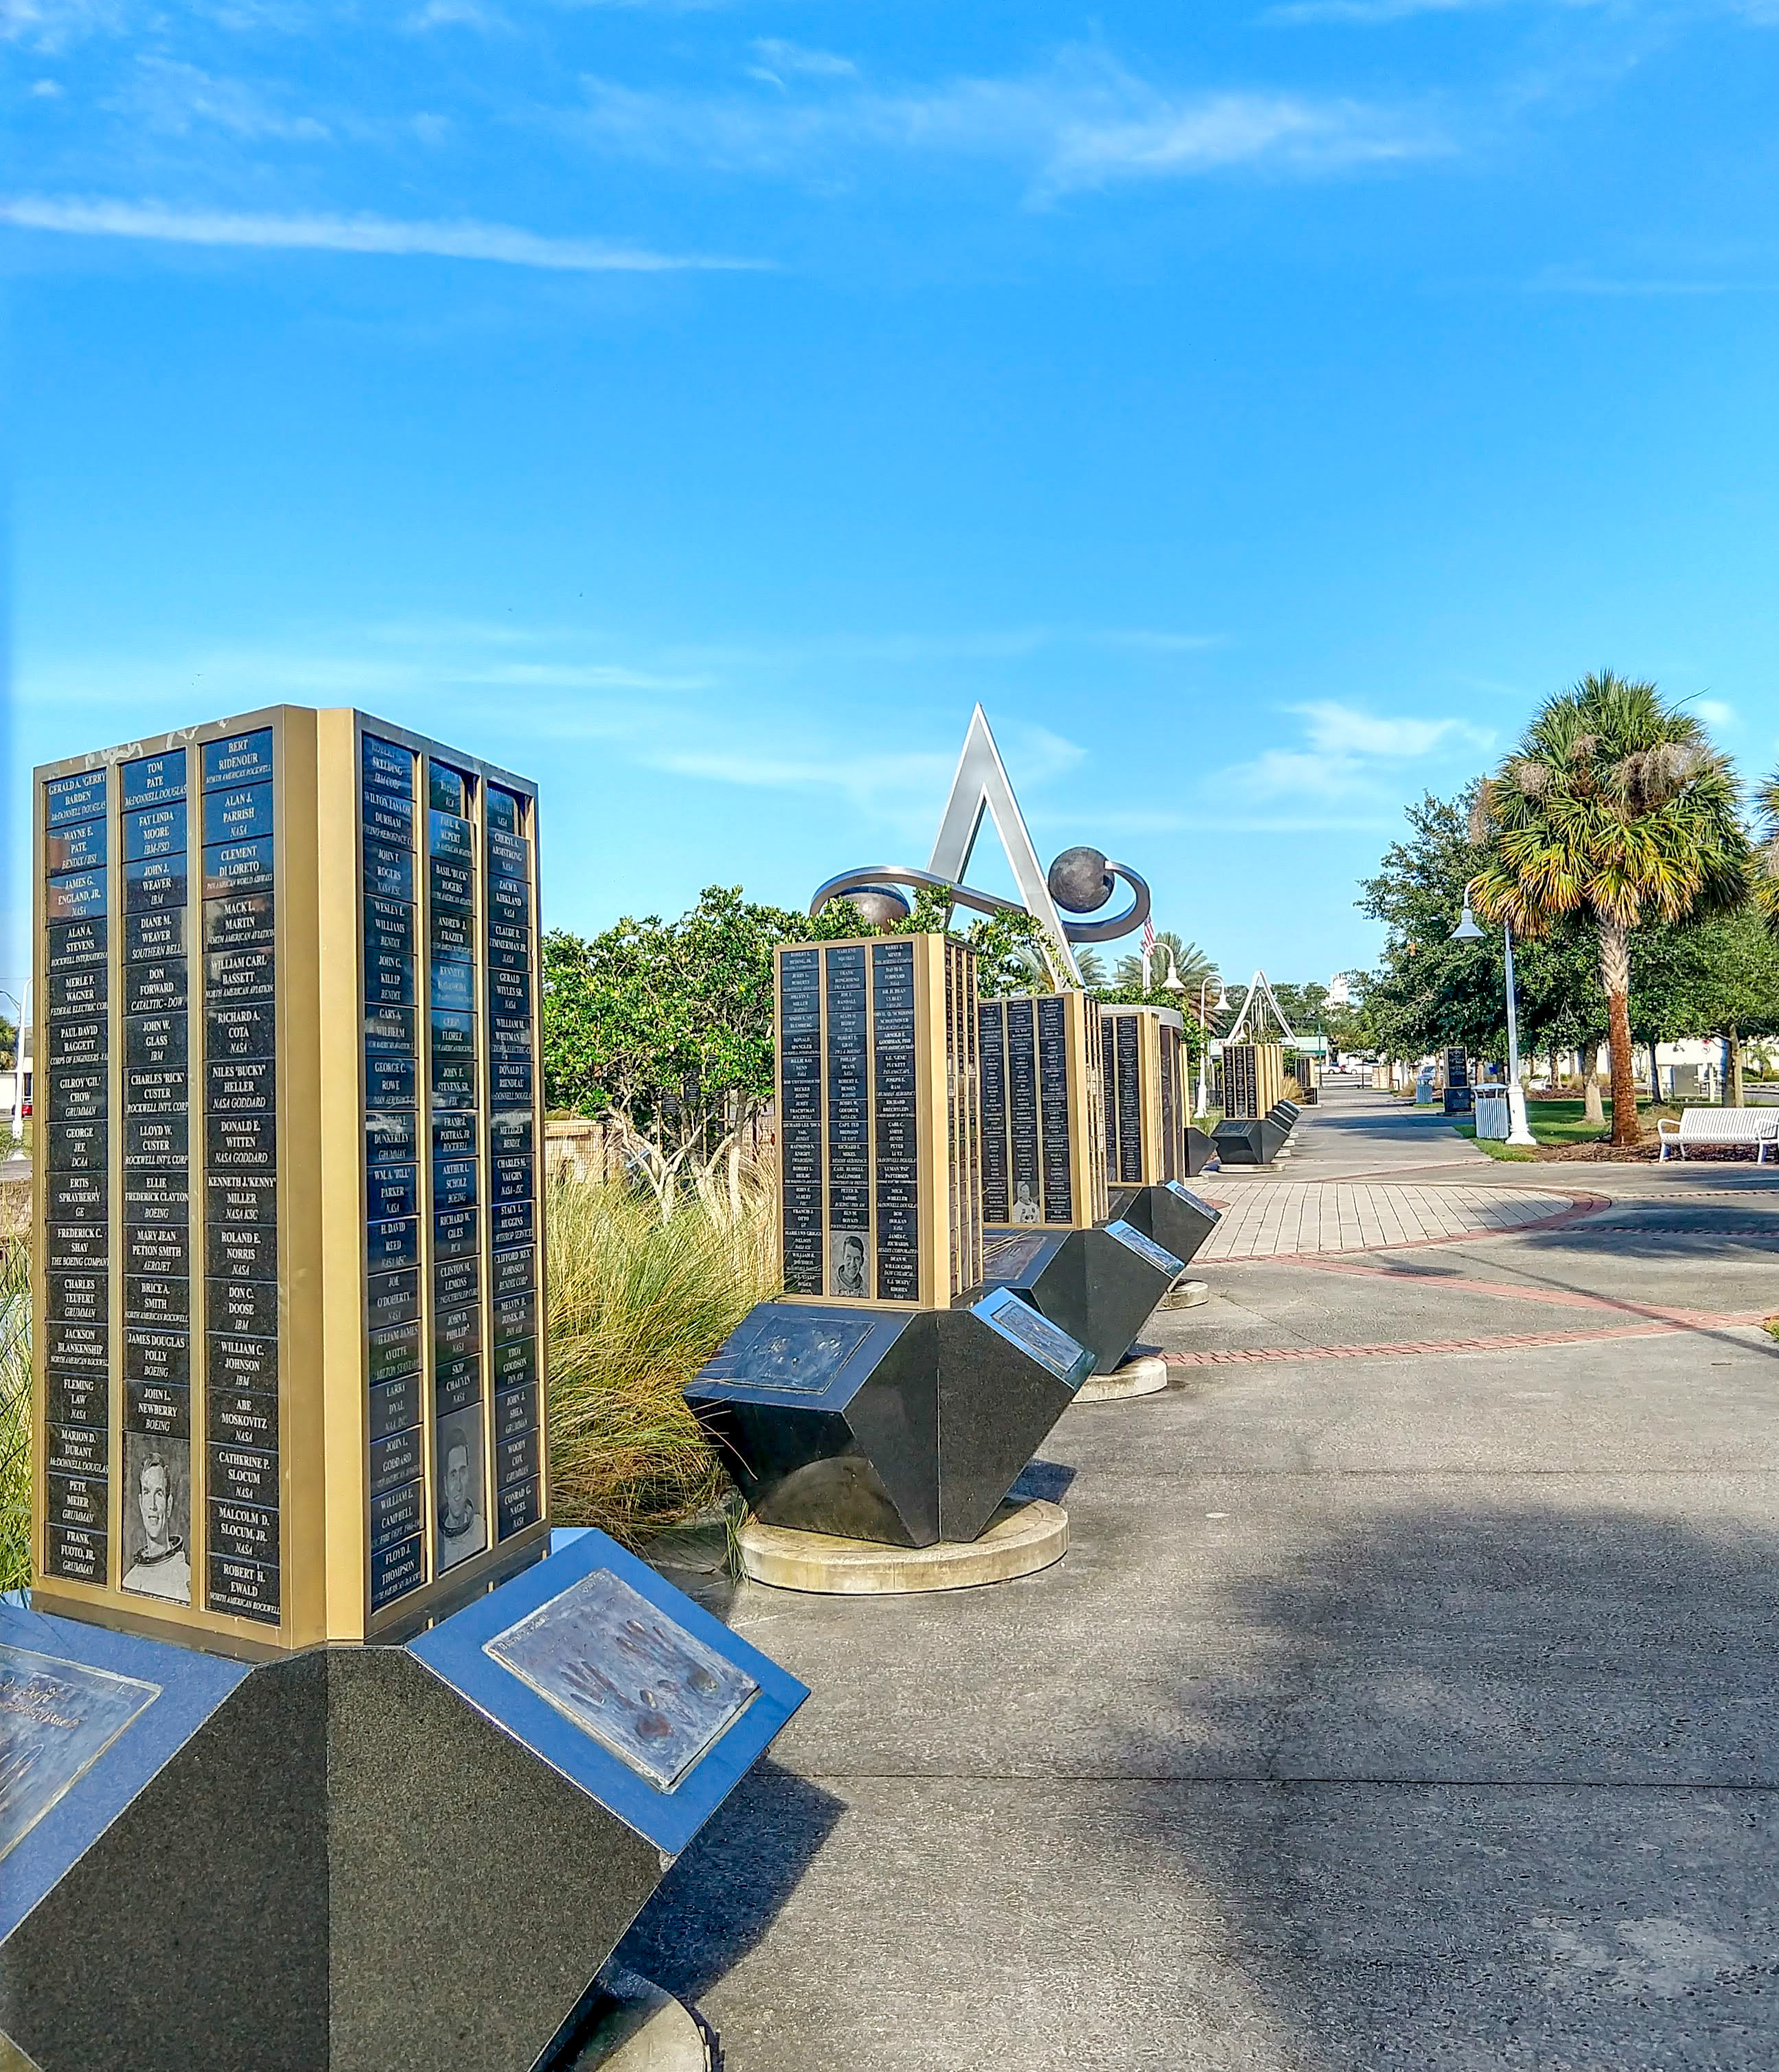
1048	1234
1257	1118
317	1756
886	1398
1152	1150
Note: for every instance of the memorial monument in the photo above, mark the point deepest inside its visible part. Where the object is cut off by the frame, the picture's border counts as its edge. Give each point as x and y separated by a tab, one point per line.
1150	1148
305	1713
1049	1233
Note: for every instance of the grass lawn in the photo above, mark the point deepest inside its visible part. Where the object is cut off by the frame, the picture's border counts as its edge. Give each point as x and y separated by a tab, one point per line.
1560	1122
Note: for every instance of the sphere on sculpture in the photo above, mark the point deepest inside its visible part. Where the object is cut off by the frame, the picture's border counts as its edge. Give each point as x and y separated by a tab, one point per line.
878	905
1079	880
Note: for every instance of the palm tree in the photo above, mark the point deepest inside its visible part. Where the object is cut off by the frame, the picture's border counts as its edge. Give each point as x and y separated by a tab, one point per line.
1766	882
1191	962
1617	807
1092	966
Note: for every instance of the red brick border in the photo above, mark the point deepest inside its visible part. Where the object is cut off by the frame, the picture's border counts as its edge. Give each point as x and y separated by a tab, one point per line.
1506	1341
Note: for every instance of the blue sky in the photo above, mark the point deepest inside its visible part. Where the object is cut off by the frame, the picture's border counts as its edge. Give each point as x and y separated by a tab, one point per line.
700	406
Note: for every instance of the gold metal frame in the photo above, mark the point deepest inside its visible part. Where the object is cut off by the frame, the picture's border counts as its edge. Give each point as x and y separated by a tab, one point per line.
319	1100
1159	1143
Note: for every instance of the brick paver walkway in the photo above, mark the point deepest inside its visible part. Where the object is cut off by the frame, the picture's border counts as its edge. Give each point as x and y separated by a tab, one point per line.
1266	1219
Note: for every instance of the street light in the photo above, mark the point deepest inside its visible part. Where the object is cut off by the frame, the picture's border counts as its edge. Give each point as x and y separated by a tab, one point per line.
1217	1005
1519	1130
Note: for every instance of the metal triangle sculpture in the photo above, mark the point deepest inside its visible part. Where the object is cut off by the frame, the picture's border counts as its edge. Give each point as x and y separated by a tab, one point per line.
1080	881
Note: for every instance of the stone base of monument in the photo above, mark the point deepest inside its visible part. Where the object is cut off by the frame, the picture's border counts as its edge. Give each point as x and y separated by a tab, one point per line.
1257	1142
1177	1219
637	2027
1099	1285
358	1858
894	1427
1147	1374
1021	1538
1186	1295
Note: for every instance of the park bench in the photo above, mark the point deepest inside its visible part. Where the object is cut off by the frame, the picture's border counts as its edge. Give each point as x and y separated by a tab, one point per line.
1719	1128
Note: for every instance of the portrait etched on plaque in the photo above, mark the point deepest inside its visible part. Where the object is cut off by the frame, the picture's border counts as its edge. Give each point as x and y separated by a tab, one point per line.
157	1559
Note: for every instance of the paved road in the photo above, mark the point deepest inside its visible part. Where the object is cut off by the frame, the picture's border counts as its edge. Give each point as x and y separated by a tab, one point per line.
1393	1708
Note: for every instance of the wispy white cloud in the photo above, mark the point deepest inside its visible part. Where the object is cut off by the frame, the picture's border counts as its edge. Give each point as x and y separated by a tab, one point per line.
1347	757
778	61
176	99
1085	122
493	242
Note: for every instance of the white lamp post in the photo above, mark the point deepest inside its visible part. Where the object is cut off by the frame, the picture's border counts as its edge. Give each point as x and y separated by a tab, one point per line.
1519	1130
1221	1002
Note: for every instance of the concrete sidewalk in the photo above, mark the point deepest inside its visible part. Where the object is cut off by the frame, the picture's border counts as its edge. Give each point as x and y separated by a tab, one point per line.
1399	1711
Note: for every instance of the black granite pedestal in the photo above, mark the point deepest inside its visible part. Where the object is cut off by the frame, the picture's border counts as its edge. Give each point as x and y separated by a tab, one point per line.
1200	1150
1100	1285
362	1859
1175	1216
1257	1142
903	1426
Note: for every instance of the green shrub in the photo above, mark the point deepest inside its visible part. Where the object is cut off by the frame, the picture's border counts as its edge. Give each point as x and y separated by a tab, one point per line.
636	1306
14	1414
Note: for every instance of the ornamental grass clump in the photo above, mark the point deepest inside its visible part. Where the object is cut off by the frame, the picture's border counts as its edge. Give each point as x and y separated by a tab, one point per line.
15	1413
636	1306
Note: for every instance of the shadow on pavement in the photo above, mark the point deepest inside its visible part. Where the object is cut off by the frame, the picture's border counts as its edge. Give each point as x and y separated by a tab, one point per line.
1515	1804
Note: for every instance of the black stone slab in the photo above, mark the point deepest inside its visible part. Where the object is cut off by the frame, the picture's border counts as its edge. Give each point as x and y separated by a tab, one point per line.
517	1508
385	766
459	1280
156	830
76	797
240	1087
241	1029
237	813
155	1042
75	1449
156	989
396	1570
236	869
76	1198
243	1417
157	1409
80	990
1170	1213
392	1244
77	1395
246	922
157	1195
70	943
236	975
510	993
390	1136
238	759
81	845
76	1244
457	1384
243	1474
514	1317
237	1362
249	1308
155	1353
76	1094
388	1083
515	1271
509	948
456	1182
389	873
246	1588
152	1138
158	1249
79	1041
78	1503
392	1350
451	982
389	818
78	1147
149	938
504	810
68	1342
244	1533
454	1233
79	896
448	930
450	884
514	1364
242	1197
509	855
513	1078
151	778
513	1224
516	1459
77	1297
154	1298
390	1192
509	1135
397	1514
453	1081
76	1557
244	1251
394	1460
454	1134
394	1405
155	884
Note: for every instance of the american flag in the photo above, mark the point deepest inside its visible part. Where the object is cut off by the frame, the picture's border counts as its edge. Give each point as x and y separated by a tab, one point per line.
1149	938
